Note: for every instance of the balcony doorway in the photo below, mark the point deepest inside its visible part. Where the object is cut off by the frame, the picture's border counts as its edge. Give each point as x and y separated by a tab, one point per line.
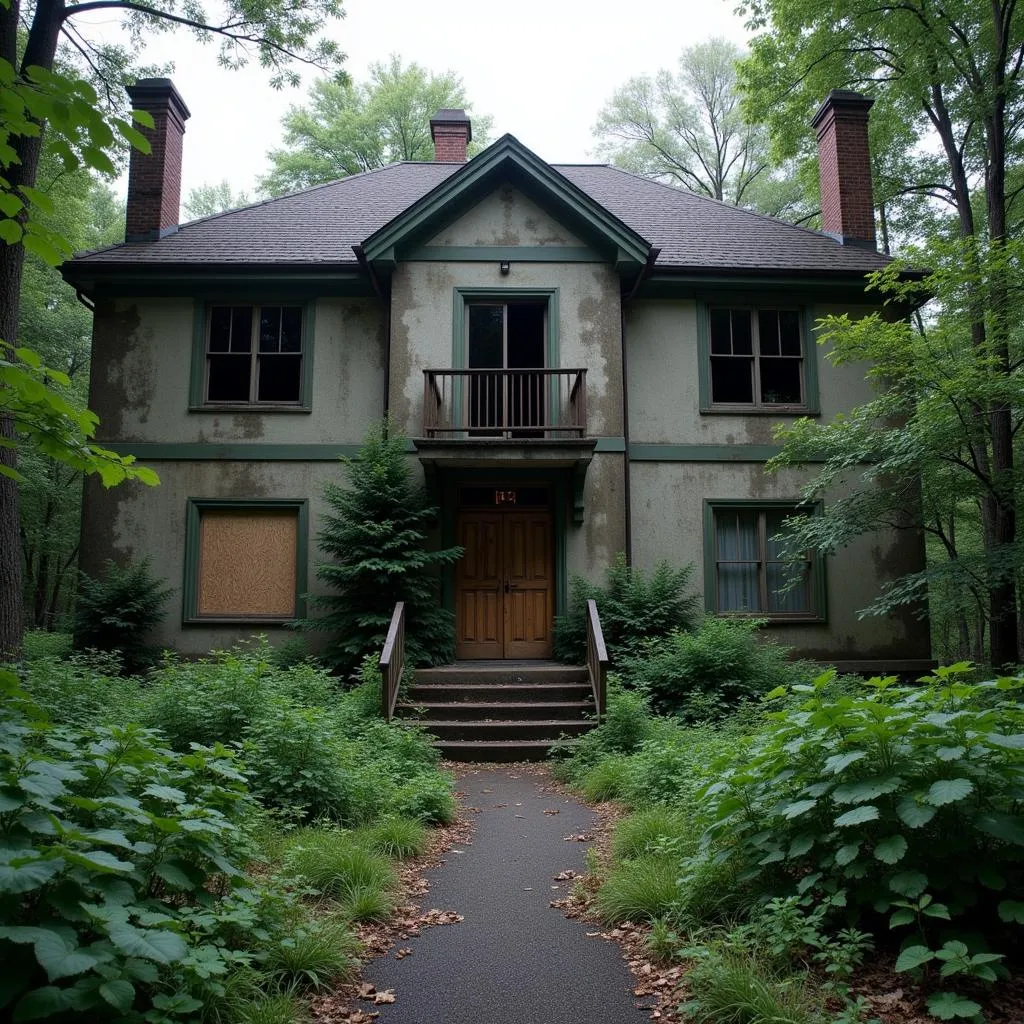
507	336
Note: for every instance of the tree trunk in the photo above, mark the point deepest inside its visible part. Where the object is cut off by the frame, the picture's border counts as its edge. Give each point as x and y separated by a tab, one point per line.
40	48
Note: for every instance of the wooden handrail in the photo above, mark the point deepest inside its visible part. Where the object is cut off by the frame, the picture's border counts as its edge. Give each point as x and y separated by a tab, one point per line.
392	661
597	660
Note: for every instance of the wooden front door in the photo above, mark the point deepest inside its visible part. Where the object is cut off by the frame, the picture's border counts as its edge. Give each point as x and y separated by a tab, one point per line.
504	585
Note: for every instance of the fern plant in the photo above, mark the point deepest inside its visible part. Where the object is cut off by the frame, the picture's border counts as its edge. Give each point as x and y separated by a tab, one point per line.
115	611
375	535
633	606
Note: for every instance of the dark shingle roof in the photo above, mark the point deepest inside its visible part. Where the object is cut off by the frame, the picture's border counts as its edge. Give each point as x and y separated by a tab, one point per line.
319	226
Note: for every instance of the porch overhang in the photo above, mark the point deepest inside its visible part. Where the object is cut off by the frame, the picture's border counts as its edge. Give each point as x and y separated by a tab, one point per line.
573	455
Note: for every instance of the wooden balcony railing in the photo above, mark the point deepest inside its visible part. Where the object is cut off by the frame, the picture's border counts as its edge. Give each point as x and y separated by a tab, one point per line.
392	661
510	404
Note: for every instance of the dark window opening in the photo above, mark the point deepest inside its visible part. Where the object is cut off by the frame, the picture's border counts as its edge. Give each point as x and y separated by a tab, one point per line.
756	357
254	355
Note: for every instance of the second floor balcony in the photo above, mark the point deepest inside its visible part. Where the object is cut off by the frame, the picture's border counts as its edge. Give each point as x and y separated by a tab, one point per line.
520	405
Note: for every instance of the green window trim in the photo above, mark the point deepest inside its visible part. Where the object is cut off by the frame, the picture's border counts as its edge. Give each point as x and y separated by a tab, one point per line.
190	590
197	374
812	400
818	588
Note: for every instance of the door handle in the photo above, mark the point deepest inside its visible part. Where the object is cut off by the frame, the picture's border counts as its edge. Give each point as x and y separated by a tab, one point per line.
508	586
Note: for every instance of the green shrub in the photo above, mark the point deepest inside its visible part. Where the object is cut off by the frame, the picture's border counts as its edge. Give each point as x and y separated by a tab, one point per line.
376	535
366	903
40	643
604	780
318	954
632	607
733	988
639	890
427	798
275	1009
711	890
398	838
333	863
654	830
115	611
904	799
120	869
704	675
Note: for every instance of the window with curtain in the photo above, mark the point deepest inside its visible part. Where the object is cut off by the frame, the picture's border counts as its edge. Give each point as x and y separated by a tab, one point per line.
753	574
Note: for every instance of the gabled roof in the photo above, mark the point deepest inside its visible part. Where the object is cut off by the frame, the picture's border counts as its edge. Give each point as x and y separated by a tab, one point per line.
509	161
320	227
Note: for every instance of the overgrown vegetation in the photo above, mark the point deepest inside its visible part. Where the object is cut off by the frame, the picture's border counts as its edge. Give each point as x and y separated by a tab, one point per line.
774	851
633	606
161	858
376	537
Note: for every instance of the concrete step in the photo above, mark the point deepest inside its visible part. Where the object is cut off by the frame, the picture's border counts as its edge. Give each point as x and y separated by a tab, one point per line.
495	750
492	693
499	673
429	711
508	729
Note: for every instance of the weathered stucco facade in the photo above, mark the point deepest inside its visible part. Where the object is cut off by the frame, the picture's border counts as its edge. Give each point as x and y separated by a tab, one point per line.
652	454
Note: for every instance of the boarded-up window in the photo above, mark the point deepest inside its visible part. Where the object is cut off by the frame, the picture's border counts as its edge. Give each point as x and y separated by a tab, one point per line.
247	563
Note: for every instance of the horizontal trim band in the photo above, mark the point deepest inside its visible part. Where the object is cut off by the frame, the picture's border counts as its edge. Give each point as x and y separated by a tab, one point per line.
512	253
200	451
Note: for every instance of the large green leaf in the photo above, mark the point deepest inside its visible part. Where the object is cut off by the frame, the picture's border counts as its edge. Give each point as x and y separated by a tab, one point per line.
1011	910
913	957
866	789
119	993
909	883
61	958
29	876
151	944
838	762
794	810
858	816
42	1003
1007	827
948	791
949	1006
847	853
912	812
891	850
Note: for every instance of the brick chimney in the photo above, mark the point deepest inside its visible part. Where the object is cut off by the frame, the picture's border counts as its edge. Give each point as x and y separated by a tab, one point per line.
452	133
154	179
847	205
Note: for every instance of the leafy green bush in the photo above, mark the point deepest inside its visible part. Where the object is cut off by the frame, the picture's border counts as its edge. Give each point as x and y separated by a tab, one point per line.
120	869
40	643
904	801
604	780
115	611
632	606
703	675
427	798
376	535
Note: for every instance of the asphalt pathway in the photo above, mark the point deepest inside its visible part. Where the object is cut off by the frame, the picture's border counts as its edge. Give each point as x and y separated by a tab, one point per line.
514	959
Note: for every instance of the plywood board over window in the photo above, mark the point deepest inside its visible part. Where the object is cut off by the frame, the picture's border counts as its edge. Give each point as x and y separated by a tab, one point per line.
244	560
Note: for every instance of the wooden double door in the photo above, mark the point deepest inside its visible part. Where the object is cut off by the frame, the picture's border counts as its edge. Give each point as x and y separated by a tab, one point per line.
504	591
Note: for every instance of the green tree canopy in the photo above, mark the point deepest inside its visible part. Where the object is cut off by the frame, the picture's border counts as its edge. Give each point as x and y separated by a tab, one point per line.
686	128
350	127
209	199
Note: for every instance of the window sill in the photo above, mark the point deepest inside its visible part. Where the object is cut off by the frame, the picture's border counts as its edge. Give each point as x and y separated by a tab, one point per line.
810	619
245	620
759	410
250	408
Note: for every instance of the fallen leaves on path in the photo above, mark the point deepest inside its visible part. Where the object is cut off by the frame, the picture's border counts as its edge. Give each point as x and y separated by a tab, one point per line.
580	837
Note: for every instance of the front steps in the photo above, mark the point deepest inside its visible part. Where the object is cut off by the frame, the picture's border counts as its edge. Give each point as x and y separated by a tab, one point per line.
500	711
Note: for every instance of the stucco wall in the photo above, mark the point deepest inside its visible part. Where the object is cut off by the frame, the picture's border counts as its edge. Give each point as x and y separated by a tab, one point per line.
133	522
141	365
664	398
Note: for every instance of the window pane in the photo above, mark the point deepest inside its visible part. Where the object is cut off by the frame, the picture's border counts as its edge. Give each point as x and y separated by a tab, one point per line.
220	328
768	332
241	329
780	381
279	378
742	344
270	328
721	340
486	337
247	563
788	587
737	560
789	332
228	379
736	531
291	329
737	588
732	380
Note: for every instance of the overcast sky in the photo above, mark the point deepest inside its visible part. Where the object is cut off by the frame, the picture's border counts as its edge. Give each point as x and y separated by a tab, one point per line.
542	68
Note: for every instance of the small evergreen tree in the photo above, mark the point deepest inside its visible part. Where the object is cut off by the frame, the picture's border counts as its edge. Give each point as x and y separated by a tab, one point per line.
115	611
376	536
